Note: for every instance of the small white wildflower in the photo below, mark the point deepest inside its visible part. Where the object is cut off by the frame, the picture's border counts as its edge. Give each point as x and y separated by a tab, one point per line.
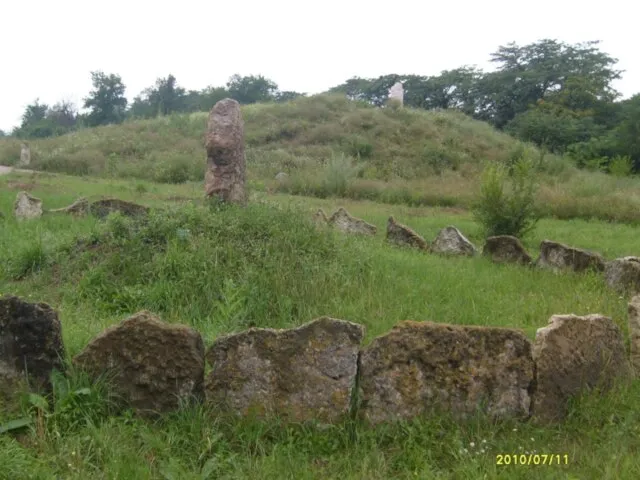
515	429
472	444
484	441
519	448
532	439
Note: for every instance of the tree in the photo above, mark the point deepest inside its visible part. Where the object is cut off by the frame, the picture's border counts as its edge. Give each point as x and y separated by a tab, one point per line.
287	96
63	114
163	98
106	101
251	89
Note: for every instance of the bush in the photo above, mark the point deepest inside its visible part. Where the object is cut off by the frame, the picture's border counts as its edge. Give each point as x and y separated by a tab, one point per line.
621	166
339	173
507	211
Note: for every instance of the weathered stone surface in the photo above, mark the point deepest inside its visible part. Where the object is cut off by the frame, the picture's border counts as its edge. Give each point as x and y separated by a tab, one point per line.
306	373
11	385
574	354
404	236
623	274
558	256
348	224
79	207
634	333
225	173
102	208
27	206
506	249
25	156
450	241
320	218
282	177
396	93
153	365
420	367
30	340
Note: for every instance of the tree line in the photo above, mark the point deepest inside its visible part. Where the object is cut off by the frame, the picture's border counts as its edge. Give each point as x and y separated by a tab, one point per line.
556	95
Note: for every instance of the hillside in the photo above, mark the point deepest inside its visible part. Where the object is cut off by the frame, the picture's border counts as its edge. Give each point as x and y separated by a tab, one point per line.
330	146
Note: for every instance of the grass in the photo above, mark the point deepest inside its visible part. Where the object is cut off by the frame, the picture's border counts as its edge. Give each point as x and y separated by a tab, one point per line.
225	269
331	147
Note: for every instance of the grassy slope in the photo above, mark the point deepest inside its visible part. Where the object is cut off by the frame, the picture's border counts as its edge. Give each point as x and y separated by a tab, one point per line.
412	157
374	284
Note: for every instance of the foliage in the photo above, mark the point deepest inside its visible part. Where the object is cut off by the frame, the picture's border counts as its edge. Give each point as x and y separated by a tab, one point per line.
251	89
106	102
511	211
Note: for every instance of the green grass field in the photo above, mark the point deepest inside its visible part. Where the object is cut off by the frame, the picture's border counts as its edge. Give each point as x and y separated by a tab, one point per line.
226	269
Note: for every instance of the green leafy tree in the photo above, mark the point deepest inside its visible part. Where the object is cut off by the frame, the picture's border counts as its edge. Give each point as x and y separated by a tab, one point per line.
106	102
287	96
164	98
251	89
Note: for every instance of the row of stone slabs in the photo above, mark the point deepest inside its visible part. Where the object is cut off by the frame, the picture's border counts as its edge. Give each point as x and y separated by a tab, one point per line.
310	372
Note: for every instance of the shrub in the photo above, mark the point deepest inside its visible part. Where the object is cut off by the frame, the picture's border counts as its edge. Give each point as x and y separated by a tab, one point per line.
621	166
507	211
339	173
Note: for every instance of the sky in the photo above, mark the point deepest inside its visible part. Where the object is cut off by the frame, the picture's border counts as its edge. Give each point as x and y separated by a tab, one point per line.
48	49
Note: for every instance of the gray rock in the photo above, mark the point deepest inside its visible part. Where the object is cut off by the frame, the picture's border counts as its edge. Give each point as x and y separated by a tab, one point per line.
153	365
574	354
225	173
30	341
623	274
305	373
506	249
558	256
102	208
423	367
404	236
450	241
634	333
282	177
348	224
27	206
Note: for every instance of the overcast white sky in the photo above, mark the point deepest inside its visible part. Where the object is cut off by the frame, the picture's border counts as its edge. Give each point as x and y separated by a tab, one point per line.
49	47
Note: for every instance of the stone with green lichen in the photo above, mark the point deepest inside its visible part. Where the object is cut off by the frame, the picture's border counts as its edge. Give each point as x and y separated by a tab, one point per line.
299	374
423	367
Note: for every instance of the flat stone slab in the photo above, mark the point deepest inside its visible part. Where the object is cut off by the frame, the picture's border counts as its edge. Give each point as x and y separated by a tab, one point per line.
424	367
300	374
623	274
558	256
402	235
348	224
506	249
450	241
573	355
102	208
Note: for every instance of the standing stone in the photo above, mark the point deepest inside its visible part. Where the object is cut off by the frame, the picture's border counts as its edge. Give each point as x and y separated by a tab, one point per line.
305	373
404	236
225	174
27	206
573	355
396	93
558	256
30	341
348	224
25	156
634	333
623	274
506	249
153	365
423	367
450	241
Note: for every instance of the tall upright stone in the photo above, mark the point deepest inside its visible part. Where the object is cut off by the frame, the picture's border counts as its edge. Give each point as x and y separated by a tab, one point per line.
225	175
396	94
25	155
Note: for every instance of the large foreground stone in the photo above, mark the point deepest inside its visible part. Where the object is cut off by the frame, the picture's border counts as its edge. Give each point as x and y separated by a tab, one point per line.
30	341
574	354
152	365
450	241
506	249
404	236
102	208
558	256
623	274
348	224
634	333
225	173
420	367
27	206
306	373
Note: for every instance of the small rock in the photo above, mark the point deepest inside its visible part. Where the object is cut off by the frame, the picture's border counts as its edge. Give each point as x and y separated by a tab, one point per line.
305	373
348	224
574	354
404	236
450	241
420	367
506	249
102	208
558	257
225	173
623	274
30	341
320	218
154	365
27	206
634	333
282	177
79	207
